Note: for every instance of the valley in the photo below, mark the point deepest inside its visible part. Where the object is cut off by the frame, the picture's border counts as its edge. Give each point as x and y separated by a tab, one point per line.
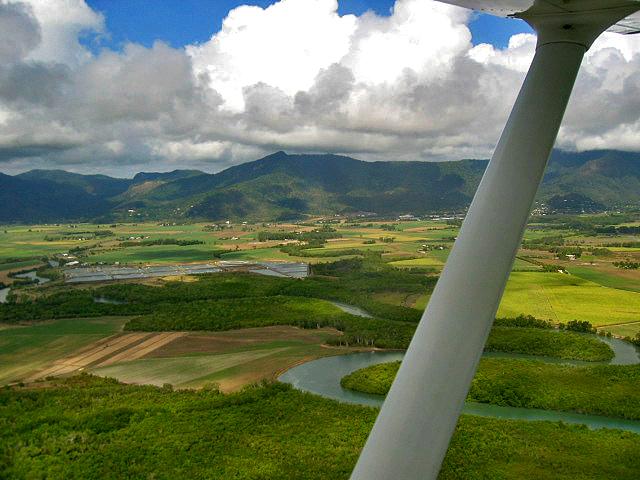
206	329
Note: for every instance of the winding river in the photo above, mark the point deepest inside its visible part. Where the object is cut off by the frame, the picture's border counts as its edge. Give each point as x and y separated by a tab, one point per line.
322	377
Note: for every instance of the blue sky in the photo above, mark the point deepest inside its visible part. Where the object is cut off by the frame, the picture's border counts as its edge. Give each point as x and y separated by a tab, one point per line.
183	22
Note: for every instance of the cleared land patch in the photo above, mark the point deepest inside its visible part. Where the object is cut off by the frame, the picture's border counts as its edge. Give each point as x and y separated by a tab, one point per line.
119	348
229	359
233	340
177	370
29	348
93	354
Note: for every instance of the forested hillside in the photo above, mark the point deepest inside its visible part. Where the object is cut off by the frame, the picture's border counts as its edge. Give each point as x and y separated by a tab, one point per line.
282	186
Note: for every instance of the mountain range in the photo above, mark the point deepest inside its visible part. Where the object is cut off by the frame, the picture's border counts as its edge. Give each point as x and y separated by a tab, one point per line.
282	186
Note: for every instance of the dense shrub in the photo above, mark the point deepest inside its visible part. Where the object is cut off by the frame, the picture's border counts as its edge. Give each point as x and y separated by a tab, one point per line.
162	241
548	343
608	390
581	326
524	321
85	427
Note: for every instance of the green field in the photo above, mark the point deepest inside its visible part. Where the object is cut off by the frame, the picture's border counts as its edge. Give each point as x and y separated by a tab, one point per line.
624	330
606	279
25	242
158	254
561	298
438	258
28	348
265	254
419	262
92	428
520	265
20	264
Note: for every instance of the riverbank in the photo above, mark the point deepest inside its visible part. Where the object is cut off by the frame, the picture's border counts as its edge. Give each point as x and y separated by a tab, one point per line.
323	377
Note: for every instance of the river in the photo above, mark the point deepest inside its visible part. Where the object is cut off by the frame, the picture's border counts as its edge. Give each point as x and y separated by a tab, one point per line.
322	377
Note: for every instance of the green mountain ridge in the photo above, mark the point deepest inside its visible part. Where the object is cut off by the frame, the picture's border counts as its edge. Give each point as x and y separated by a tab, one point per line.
282	186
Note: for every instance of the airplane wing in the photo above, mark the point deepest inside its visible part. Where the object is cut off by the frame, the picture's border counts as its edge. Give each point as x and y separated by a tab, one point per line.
513	8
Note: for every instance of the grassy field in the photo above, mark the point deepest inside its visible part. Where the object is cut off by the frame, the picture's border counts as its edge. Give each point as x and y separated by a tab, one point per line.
28	241
607	278
624	330
18	265
561	298
26	349
427	261
91	428
438	258
157	254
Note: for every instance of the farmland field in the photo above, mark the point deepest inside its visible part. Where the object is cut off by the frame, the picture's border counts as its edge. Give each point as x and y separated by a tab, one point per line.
230	360
561	298
607	278
26	349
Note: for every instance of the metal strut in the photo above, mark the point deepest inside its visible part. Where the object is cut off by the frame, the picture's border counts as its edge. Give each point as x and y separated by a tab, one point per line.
412	432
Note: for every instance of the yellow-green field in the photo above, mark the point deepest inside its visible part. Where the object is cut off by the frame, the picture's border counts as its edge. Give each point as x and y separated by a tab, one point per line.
426	261
561	298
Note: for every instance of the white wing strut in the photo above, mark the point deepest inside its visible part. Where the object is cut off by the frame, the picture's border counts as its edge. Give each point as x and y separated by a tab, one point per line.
412	432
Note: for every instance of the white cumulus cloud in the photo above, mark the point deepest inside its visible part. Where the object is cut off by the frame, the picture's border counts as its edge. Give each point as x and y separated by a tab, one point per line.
296	76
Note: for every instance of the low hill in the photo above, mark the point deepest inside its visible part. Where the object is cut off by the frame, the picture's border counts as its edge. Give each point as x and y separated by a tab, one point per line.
282	186
101	186
34	201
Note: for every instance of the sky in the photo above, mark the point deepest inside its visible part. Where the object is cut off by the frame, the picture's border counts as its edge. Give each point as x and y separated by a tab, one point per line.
184	22
117	87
